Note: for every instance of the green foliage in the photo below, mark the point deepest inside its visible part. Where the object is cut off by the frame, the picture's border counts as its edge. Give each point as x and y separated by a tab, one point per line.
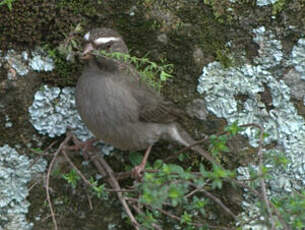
72	178
99	190
292	206
135	158
278	6
169	186
37	150
8	3
147	69
63	69
233	129
223	56
222	10
218	144
79	6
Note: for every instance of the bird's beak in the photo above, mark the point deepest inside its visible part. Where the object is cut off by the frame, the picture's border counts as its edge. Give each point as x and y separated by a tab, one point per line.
87	51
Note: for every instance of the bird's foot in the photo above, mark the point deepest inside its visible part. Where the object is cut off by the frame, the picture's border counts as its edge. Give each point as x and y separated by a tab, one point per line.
137	172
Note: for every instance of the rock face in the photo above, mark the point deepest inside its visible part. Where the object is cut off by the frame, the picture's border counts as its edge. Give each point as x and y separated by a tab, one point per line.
16	171
53	112
267	86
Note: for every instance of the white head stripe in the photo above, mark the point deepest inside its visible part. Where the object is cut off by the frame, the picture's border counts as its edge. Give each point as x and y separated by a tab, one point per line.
87	36
105	40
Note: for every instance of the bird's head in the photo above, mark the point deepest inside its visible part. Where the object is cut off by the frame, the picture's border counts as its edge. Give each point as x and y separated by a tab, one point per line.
103	39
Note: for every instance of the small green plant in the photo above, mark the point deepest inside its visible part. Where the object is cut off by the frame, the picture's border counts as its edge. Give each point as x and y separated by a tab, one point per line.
8	3
147	69
223	56
72	178
181	191
222	10
186	194
99	190
278	6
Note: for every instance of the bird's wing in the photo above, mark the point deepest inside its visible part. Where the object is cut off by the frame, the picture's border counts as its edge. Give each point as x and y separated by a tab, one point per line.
159	113
152	106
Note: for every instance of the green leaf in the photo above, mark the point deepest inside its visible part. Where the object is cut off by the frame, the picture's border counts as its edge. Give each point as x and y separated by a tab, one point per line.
233	129
72	177
217	184
38	150
186	218
173	193
135	158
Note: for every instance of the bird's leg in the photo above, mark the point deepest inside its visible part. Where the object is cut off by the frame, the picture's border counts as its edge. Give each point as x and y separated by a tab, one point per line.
139	169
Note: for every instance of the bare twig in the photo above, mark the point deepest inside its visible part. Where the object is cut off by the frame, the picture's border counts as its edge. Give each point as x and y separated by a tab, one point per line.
263	195
219	202
89	201
76	169
262	181
67	139
156	226
176	217
116	185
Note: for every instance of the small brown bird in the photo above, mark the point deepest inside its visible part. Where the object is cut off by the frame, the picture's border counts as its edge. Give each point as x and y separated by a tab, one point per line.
118	107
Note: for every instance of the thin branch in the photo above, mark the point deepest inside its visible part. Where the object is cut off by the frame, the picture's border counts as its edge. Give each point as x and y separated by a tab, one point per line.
67	139
76	169
115	184
176	217
216	200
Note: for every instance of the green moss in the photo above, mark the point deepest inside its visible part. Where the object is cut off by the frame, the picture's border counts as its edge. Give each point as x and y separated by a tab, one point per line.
223	58
278	6
31	22
65	72
222	10
83	7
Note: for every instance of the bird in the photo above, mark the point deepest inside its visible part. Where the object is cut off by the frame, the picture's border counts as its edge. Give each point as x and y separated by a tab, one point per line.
121	109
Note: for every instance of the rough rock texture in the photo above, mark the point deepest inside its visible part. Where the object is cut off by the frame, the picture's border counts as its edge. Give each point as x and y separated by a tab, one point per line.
187	33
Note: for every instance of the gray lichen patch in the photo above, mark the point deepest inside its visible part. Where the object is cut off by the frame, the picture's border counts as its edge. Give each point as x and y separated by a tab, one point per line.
222	87
298	57
270	49
265	2
17	61
15	172
40	61
280	119
20	63
53	111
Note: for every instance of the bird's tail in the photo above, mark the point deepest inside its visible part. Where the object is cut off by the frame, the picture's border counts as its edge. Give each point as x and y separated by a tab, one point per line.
181	136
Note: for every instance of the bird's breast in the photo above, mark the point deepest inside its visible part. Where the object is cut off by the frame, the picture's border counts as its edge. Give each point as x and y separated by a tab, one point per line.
105	105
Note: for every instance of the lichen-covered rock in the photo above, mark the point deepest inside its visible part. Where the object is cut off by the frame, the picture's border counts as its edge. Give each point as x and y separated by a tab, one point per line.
266	101
15	172
53	111
298	57
279	116
265	2
22	63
